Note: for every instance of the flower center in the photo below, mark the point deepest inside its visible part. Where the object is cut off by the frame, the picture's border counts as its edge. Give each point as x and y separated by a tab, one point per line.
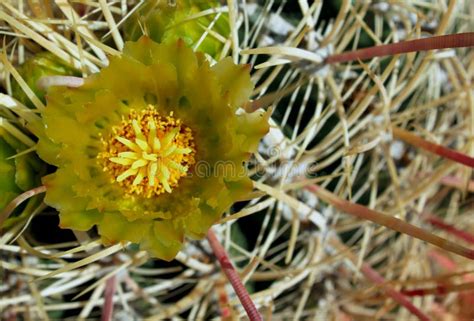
147	154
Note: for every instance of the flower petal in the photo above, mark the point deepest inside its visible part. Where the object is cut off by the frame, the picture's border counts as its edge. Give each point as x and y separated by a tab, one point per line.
115	228
165	240
234	81
164	78
79	220
59	186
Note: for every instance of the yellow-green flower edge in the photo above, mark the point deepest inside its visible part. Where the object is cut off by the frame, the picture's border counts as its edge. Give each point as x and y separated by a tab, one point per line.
169	78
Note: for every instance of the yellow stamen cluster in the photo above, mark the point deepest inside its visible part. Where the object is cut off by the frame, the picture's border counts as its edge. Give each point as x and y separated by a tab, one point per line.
147	154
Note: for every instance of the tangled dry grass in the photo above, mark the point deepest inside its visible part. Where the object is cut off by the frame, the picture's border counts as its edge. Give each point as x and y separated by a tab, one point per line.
333	127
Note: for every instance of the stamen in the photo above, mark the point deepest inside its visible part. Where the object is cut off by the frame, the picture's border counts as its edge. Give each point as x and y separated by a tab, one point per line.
139	163
166	173
150	157
174	165
183	150
165	185
156	144
152	173
139	178
169	137
137	129
130	155
142	144
126	174
128	143
170	150
152	154
121	161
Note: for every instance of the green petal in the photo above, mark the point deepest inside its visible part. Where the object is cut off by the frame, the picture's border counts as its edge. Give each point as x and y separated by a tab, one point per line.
141	49
239	188
102	111
142	213
198	225
164	241
180	56
166	90
49	151
115	228
118	76
171	78
79	220
65	130
234	81
60	194
252	127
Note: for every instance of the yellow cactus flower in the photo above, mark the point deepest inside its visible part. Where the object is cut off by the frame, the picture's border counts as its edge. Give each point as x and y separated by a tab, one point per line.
151	149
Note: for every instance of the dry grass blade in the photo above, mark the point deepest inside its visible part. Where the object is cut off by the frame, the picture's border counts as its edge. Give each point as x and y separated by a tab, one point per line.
439	223
393	223
233	277
86	261
67	81
432	147
290	52
431	43
24	86
16	133
375	277
18	200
